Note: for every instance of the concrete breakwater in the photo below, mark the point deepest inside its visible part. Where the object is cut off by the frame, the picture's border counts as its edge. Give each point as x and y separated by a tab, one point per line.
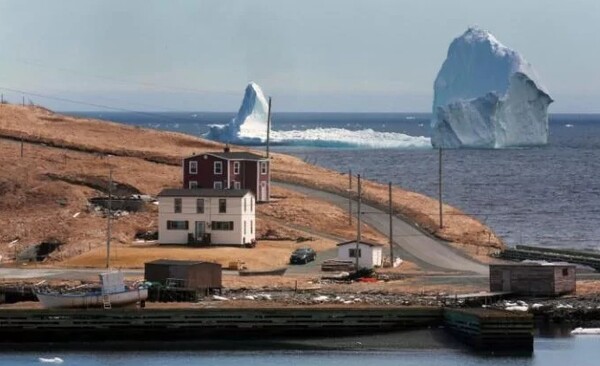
513	331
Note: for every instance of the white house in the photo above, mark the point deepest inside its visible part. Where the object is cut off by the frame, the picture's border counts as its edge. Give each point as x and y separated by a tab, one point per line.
369	254
208	216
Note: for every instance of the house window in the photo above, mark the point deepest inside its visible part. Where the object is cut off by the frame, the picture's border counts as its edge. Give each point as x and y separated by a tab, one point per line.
237	185
222	205
218	167
222	225
263	167
244	227
218	185
177	225
251	226
193	169
251	204
177	205
199	205
352	253
193	184
244	204
565	271
236	167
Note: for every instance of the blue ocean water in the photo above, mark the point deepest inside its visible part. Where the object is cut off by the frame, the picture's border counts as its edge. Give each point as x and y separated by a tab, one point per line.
546	196
580	351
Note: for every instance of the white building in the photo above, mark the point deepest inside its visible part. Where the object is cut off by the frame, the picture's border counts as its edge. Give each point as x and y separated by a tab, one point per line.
208	216
370	255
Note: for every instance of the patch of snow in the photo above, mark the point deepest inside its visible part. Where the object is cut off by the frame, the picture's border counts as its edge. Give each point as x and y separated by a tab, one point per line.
220	298
517	308
586	331
50	360
264	297
76	215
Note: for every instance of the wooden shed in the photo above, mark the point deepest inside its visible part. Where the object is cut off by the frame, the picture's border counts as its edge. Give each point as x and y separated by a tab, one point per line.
533	279
189	275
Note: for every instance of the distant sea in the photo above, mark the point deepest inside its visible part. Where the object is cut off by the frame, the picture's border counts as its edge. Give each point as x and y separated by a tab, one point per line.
548	196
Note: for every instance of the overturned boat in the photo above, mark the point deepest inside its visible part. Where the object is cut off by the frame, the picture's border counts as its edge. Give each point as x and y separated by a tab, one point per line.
112	292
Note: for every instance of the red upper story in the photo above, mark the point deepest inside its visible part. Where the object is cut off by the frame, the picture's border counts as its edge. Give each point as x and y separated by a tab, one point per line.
229	170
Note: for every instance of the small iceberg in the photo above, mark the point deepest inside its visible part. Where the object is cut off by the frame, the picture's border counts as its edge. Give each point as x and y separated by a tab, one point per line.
51	360
568	125
249	127
586	331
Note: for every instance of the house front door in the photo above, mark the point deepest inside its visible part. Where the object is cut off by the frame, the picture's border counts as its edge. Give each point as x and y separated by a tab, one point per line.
200	229
263	191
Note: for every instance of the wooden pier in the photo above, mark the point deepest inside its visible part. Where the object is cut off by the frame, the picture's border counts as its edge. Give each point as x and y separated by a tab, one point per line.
491	330
199	324
523	252
484	329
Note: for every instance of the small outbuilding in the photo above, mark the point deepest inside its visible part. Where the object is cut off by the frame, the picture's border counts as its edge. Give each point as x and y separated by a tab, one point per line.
370	255
186	275
533	279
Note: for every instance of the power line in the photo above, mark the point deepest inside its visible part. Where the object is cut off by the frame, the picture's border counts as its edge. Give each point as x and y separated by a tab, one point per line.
67	100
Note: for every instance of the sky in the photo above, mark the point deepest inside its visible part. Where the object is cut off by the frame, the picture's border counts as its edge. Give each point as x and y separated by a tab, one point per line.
310	56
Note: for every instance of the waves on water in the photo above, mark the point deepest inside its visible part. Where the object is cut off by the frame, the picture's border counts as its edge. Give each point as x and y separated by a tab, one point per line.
254	133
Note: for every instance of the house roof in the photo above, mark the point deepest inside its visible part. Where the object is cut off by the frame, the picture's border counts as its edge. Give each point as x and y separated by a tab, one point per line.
175	262
361	242
238	155
203	192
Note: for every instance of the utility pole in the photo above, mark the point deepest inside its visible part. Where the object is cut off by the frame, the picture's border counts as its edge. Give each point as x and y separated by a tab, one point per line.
358	233
391	227
268	127
350	197
440	187
108	216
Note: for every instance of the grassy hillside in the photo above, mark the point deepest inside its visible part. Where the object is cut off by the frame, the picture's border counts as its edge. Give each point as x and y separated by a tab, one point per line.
65	163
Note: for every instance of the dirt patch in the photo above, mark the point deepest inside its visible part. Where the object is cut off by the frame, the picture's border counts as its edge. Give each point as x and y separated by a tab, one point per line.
99	183
266	254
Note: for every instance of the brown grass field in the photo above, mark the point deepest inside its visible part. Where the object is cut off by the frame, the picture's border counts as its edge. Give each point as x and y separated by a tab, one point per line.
44	193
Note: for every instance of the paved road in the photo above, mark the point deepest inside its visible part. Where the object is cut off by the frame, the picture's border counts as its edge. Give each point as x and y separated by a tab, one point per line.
411	244
59	273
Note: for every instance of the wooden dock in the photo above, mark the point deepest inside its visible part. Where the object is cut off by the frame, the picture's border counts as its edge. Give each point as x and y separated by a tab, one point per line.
199	324
481	328
523	252
492	330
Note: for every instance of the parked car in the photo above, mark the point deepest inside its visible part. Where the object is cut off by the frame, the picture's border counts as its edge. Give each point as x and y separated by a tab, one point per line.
303	256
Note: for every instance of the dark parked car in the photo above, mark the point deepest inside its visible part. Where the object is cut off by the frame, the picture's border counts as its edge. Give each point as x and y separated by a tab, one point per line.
303	256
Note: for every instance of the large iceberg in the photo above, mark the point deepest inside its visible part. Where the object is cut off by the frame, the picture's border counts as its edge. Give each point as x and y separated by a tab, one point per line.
487	96
250	123
249	127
